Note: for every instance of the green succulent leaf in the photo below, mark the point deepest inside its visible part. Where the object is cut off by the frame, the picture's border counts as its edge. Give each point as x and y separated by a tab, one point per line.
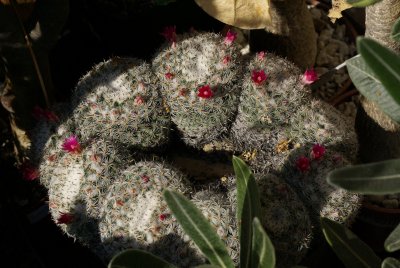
263	251
396	30
199	229
134	258
390	263
384	62
392	242
370	86
353	252
362	3
249	207
375	178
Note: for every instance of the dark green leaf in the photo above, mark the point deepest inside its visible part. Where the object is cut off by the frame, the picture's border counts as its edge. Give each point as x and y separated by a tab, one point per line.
390	263
375	178
263	252
392	242
133	258
362	3
248	207
369	85
384	63
199	229
396	30
353	252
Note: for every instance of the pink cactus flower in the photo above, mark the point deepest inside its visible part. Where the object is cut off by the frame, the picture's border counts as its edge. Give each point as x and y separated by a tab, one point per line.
145	178
170	34
303	164
226	60
258	77
261	55
230	37
205	92
169	76
318	151
309	76
29	172
139	100
163	217
71	145
65	218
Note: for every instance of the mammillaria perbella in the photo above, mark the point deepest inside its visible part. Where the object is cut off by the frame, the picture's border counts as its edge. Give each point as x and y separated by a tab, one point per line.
105	177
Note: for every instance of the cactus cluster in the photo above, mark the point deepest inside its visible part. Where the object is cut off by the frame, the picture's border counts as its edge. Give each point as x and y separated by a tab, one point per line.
105	184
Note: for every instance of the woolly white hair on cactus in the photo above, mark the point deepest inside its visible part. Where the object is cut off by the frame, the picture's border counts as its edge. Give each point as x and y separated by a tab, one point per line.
119	100
199	77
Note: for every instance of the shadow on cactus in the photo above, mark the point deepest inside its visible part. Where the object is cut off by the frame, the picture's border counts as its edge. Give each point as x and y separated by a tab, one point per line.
256	249
376	73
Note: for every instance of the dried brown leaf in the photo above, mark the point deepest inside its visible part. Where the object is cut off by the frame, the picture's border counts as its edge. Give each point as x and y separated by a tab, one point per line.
245	14
337	7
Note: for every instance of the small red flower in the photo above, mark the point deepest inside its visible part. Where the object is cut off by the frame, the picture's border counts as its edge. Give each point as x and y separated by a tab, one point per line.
303	164
163	217
65	218
226	60
170	34
139	100
29	172
261	55
230	37
309	76
205	92
120	203
169	76
258	77
145	178
71	145
318	151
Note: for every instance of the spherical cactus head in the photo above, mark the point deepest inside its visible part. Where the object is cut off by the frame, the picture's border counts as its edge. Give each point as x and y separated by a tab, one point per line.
199	78
119	100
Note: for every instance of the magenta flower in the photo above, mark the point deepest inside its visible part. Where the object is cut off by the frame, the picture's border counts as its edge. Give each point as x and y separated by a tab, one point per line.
226	60
163	217
230	37
170	34
318	151
309	76
29	172
258	77
71	145
205	92
303	164
145	178
65	218
169	76
261	55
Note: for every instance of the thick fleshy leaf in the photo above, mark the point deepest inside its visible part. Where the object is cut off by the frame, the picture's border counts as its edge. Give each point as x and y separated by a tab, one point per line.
248	207
199	229
263	251
245	14
375	178
392	242
396	30
390	263
370	86
132	258
353	252
384	62
362	3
